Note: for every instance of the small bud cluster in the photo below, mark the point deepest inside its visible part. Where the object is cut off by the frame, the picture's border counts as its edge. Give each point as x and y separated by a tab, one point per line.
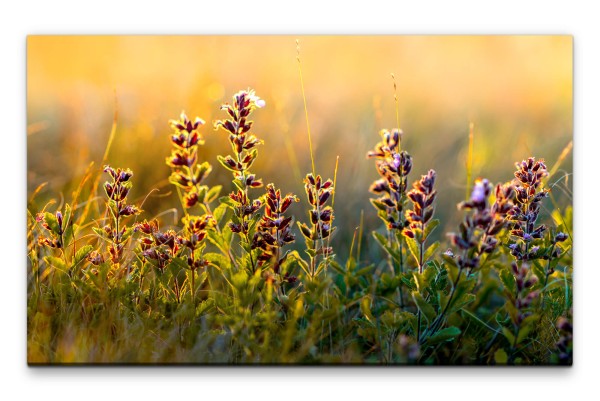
157	247
117	190
55	226
274	228
422	197
478	230
161	247
187	173
244	209
393	166
318	194
196	229
95	258
524	214
243	144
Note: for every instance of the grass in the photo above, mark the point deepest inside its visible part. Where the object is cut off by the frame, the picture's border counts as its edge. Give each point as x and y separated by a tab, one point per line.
232	283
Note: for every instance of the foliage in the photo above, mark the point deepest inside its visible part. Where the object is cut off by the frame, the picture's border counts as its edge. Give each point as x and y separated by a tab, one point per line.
226	285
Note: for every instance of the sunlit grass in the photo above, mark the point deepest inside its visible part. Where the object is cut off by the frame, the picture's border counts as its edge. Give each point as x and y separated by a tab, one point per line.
241	250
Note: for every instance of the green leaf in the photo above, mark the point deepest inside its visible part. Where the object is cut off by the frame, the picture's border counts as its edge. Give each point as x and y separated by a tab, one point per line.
383	242
378	205
500	357
447	334
509	335
523	333
226	200
127	234
406	279
462	296
459	303
52	222
176	265
508	280
68	236
252	224
340	283
365	308
100	232
526	326
364	271
201	279
431	250
429	275
334	264
174	179
303	264
202	193
239	185
413	247
305	230
450	260
253	154
213	193
55	262
67	214
426	309
383	216
311	252
204	306
221	160
219	212
216	239
82	253
430	227
202	171
217	259
539	271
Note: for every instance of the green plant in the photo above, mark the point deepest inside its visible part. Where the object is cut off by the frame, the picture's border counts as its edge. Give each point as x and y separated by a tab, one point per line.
227	284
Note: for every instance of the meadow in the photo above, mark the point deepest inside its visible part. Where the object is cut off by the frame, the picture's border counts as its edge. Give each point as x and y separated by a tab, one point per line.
288	225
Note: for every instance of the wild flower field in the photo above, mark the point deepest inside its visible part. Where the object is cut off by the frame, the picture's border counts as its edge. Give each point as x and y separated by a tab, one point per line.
241	269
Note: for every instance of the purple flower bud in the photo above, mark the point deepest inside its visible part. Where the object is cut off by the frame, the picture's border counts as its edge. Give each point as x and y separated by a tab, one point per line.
560	237
480	192
125	175
396	162
59	218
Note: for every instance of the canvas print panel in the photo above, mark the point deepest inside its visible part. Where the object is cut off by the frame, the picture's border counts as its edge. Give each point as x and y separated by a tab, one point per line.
398	200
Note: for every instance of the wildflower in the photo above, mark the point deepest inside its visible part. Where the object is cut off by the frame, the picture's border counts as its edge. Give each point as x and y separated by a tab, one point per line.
117	191
95	258
560	237
274	228
393	166
422	197
244	147
478	230
187	173
524	213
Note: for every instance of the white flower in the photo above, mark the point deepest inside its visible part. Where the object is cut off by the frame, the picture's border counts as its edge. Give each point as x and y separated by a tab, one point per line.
479	191
258	102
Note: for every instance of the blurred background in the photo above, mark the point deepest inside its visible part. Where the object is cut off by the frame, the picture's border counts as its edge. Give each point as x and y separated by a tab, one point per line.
516	90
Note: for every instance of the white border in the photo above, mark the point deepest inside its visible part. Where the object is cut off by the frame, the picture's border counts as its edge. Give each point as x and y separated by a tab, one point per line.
18	19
